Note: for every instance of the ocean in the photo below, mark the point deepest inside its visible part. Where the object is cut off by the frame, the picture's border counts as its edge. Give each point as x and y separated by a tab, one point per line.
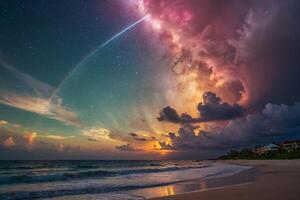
101	179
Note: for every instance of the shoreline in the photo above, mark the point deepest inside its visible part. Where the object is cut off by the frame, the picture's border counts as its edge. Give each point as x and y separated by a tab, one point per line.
276	179
245	176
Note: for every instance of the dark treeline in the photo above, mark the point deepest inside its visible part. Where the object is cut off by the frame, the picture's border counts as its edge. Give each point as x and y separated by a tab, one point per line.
249	154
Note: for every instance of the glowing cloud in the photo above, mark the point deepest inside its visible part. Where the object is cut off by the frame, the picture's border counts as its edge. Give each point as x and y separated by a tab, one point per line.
60	147
198	48
30	137
9	142
35	97
57	137
3	123
97	134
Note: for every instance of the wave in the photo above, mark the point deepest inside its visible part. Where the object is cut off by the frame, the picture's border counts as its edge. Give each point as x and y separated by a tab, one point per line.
84	174
166	169
53	177
124	179
24	195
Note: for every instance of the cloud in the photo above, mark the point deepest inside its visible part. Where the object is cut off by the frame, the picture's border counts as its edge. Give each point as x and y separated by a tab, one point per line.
267	53
115	135
34	96
282	118
9	142
141	139
212	109
186	139
169	114
138	138
247	53
3	123
29	141
128	147
30	137
51	108
13	145
57	137
133	134
92	140
274	122
60	147
97	134
197	45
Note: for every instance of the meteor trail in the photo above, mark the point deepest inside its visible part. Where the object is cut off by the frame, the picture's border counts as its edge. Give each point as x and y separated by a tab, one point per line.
86	58
120	33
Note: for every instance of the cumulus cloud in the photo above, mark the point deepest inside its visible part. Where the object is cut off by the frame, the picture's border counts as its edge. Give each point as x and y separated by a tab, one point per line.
212	109
128	147
19	143
267	53
30	137
169	114
186	138
274	121
3	123
60	147
197	44
246	53
9	142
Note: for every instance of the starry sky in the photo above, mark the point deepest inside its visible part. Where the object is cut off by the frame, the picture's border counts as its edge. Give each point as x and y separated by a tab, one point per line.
146	79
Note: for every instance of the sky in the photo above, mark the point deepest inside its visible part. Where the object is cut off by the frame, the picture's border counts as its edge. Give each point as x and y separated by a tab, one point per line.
147	79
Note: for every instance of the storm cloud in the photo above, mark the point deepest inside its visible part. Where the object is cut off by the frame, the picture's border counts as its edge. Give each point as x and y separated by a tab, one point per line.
274	122
267	53
248	50
212	109
245	53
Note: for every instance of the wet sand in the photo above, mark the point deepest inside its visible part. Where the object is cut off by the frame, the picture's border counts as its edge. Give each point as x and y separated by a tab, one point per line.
278	179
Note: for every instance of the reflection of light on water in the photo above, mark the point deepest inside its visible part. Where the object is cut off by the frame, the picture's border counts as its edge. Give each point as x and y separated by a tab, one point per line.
160	191
169	190
202	184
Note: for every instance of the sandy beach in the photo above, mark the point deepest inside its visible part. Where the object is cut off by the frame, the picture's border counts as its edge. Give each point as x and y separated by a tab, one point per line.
280	179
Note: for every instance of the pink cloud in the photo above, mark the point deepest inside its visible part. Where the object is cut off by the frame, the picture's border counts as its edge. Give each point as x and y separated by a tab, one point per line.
30	137
60	147
9	142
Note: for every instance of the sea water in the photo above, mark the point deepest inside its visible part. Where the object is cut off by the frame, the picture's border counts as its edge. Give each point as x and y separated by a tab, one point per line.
101	179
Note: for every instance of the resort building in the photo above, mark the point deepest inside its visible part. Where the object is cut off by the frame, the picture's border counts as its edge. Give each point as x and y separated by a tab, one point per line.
291	145
266	149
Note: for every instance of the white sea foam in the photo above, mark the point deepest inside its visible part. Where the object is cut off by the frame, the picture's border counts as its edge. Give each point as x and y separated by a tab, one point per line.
102	187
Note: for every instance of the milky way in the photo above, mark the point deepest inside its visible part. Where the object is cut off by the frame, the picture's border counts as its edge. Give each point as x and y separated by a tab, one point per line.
154	78
241	52
221	47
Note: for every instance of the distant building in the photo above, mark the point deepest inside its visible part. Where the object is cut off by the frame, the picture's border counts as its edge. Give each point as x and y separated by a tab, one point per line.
291	145
266	149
